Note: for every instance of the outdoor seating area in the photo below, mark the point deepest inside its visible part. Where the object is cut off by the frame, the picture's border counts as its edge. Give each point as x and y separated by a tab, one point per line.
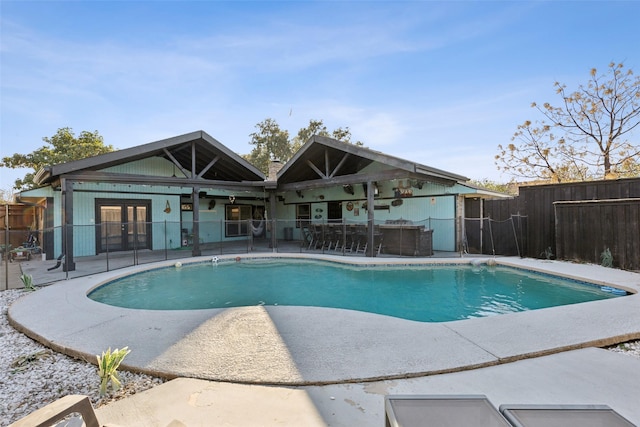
477	410
345	238
400	411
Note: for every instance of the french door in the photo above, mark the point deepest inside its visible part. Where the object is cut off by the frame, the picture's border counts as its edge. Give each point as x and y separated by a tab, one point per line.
123	225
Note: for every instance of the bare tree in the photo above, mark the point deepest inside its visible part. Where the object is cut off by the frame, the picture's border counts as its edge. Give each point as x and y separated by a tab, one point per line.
595	124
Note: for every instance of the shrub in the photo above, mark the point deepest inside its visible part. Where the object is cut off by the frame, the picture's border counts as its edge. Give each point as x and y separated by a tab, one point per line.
108	365
27	280
606	259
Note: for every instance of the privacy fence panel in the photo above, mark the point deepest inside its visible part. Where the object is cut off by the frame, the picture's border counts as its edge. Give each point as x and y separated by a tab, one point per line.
537	204
586	229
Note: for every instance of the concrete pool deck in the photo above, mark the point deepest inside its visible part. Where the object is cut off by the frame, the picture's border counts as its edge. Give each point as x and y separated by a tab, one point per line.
311	345
339	354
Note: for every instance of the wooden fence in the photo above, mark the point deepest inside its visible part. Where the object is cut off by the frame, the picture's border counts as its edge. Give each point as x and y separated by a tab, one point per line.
537	204
586	229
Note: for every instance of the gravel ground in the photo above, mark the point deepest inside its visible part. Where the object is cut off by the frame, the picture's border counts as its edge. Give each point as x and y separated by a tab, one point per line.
32	375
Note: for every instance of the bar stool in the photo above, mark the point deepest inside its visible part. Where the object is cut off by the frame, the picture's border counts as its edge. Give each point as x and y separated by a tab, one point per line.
361	237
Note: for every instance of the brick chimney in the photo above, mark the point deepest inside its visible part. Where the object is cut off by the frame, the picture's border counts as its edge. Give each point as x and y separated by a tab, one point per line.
274	168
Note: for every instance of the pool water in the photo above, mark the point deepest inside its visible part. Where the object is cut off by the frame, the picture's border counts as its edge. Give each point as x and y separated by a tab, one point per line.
434	293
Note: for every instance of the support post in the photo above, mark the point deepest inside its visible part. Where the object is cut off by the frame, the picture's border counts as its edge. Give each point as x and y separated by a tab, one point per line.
196	221
370	220
273	220
6	254
67	224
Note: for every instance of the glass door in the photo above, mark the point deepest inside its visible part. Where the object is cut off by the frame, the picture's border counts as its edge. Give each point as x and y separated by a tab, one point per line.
123	225
111	228
136	227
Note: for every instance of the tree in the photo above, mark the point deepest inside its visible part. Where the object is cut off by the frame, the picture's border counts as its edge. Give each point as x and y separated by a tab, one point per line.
508	188
6	196
272	142
63	147
595	124
317	127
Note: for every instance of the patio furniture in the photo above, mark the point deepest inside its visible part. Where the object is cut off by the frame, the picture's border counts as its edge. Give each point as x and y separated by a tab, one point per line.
58	410
563	415
442	411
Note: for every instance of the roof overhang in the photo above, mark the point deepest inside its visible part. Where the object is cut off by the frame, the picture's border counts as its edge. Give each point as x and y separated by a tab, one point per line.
325	162
197	155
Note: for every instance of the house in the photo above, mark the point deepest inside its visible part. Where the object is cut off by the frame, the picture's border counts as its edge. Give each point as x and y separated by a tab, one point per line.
191	190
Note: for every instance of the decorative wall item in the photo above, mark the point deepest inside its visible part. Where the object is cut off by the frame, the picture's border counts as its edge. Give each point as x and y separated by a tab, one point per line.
232	199
403	190
348	188
349	206
396	202
212	204
167	208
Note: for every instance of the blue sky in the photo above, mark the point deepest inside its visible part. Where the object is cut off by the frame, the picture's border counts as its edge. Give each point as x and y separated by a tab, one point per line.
440	83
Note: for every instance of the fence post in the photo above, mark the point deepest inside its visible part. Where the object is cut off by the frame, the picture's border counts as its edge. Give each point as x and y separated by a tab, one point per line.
493	246
166	253
6	253
106	247
515	236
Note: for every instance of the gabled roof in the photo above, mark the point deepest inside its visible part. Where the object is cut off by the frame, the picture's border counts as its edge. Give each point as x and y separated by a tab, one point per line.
197	154
326	161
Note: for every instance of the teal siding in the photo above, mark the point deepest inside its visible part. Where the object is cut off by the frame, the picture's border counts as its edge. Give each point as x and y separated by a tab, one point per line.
154	166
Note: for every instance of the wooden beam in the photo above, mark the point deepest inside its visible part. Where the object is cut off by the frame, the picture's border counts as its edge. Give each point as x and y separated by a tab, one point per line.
175	162
193	159
206	168
339	165
326	162
315	169
161	180
358	178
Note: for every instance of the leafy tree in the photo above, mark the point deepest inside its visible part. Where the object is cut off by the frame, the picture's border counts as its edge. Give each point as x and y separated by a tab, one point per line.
62	147
317	127
270	141
594	123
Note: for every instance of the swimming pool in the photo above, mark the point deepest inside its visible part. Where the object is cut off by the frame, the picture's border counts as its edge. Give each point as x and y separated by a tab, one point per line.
433	293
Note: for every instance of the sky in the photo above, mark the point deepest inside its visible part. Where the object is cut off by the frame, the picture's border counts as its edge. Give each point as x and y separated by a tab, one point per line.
440	83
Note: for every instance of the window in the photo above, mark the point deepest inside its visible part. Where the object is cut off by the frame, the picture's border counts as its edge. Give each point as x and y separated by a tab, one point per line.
237	220
303	215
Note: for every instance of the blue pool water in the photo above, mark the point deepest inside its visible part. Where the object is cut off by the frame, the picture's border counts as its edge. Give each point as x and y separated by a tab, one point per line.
434	293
